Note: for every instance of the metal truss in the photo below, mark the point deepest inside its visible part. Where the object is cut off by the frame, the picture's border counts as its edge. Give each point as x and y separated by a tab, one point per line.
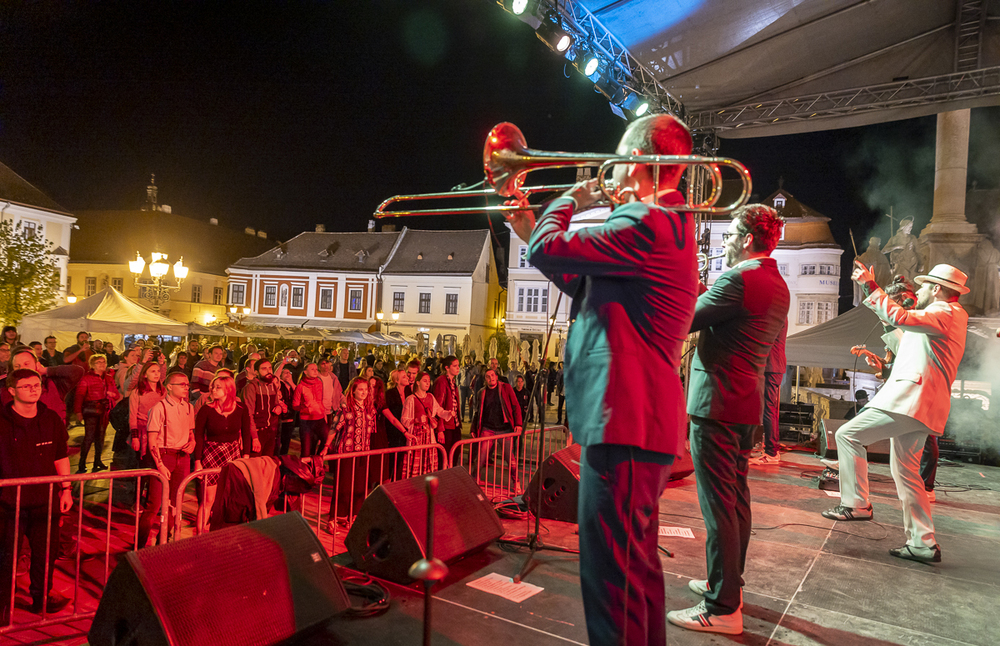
826	105
588	32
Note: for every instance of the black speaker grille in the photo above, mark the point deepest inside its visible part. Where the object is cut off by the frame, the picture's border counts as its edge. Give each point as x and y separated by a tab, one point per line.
236	591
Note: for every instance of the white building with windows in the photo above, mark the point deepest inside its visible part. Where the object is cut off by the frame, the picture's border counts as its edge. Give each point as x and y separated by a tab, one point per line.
32	211
807	256
441	283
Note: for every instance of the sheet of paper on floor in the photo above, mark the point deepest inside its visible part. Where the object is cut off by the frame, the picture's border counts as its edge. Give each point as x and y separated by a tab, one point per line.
504	586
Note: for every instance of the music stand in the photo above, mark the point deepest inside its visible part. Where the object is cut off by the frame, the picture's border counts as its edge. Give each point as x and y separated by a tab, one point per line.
532	540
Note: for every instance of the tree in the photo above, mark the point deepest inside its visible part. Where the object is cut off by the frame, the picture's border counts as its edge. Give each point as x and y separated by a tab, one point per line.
29	276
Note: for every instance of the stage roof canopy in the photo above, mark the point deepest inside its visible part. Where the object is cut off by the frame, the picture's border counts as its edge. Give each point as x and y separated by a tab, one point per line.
749	68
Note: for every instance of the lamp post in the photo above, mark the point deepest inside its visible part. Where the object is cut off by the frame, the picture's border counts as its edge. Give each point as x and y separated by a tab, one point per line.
237	314
71	298
382	319
154	289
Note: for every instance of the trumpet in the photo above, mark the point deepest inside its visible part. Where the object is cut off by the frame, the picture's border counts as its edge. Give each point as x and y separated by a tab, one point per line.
507	160
704	259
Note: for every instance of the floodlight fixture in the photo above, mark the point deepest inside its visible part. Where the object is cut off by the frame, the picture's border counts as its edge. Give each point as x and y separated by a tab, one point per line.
586	61
636	103
518	7
557	38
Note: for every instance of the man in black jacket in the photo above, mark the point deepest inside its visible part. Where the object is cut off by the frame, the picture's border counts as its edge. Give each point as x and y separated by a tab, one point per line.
739	319
32	443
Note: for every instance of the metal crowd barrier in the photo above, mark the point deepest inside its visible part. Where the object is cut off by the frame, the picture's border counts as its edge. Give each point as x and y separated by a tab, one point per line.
79	497
503	464
353	476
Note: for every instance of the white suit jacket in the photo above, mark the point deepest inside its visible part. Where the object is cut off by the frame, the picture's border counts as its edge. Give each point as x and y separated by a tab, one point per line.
930	350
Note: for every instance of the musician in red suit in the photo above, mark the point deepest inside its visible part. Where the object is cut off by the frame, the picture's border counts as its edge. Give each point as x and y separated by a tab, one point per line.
633	280
914	402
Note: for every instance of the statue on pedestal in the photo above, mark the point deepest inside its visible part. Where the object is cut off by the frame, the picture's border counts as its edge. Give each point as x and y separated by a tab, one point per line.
873	257
985	294
902	250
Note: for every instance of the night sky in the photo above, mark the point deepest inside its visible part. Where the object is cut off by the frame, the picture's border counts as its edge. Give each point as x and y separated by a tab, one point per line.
281	115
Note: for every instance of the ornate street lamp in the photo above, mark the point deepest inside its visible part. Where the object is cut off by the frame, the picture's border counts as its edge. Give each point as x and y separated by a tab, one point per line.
155	289
237	314
383	320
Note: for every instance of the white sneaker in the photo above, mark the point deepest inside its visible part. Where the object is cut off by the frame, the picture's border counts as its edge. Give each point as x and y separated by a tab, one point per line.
833	464
698	618
765	460
700	587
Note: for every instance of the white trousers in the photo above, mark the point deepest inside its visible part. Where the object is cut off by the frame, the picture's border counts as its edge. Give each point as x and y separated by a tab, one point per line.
907	437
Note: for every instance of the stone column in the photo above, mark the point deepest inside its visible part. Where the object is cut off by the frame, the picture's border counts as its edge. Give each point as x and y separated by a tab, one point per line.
951	162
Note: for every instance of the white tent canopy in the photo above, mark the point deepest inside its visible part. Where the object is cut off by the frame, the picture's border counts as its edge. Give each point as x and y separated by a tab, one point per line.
107	311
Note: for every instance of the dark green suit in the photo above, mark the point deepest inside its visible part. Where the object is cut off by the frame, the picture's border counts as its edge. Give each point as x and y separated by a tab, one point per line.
738	318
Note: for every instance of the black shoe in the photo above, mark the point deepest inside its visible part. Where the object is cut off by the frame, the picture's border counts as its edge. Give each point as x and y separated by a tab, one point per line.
81	469
840	512
56	602
99	466
921	554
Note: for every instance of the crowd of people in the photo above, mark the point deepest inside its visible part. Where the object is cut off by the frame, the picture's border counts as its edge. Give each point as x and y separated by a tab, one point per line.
200	406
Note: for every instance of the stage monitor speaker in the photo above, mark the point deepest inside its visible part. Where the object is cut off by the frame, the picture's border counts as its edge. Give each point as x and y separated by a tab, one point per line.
390	531
561	487
259	583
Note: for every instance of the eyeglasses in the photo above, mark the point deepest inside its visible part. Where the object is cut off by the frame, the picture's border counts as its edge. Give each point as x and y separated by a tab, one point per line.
29	387
727	235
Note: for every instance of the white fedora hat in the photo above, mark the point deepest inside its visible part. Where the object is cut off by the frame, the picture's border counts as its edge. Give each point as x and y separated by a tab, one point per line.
946	276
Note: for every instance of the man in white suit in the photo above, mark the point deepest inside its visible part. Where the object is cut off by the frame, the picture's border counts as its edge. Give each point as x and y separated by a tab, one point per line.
913	402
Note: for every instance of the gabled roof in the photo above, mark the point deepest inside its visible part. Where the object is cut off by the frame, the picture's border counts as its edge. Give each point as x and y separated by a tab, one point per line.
327	251
115	236
438	252
792	208
14	188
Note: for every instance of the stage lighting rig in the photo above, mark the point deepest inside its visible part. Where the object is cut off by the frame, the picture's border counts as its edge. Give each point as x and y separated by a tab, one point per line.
586	61
518	7
557	38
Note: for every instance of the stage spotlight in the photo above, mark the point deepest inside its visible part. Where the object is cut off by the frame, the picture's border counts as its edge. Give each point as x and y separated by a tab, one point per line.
586	61
557	38
516	7
611	89
636	103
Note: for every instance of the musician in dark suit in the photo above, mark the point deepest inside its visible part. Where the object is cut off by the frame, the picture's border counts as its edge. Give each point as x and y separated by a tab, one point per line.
738	318
633	281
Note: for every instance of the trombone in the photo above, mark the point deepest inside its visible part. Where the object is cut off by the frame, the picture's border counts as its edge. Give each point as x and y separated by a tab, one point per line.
507	160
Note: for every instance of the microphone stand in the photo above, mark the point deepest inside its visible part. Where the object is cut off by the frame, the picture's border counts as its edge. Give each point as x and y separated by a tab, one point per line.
430	570
533	541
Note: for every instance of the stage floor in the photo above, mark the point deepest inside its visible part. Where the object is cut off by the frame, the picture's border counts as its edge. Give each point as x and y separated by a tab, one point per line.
809	581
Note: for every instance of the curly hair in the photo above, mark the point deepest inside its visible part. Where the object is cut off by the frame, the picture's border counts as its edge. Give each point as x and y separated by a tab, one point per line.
901	291
763	222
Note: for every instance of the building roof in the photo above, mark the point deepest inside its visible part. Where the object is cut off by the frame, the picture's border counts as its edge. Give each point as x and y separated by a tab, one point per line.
327	251
792	208
438	252
114	237
14	188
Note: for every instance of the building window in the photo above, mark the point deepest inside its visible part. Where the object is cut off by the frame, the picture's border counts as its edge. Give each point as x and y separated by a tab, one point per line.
284	295
90	286
807	270
69	285
451	303
270	295
195	293
216	296
29	228
326	299
716	265
298	297
425	303
824	312
118	283
807	313
397	301
532	299
237	294
354	297
779	201
829	270
522	256
783	268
